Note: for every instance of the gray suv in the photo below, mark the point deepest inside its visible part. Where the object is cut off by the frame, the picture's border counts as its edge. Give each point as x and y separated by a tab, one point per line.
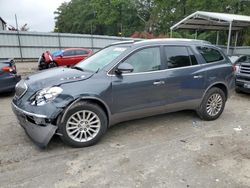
124	81
243	74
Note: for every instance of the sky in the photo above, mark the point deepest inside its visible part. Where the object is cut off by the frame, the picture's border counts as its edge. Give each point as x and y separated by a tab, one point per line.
38	14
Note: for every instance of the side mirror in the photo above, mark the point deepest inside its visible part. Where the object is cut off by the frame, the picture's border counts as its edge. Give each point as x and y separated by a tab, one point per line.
61	55
124	68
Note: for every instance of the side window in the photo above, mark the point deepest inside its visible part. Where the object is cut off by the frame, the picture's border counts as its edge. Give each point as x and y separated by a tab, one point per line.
145	60
210	55
177	56
69	53
81	52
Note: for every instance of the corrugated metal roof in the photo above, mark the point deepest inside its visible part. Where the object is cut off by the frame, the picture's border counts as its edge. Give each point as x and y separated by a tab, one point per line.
201	20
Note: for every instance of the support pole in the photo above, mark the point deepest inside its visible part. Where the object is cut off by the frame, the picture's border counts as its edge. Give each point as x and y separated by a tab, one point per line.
236	38
19	41
171	33
217	37
229	37
196	34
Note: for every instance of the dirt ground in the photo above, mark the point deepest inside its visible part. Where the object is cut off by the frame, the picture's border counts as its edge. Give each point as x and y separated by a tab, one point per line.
172	150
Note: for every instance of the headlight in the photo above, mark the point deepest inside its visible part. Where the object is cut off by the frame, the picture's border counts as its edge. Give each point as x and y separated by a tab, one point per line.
45	96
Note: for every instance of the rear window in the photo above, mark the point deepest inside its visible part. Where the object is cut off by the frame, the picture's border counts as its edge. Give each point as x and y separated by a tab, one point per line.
210	55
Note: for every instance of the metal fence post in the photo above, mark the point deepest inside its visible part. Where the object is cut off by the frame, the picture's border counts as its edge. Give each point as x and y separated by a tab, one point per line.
92	42
59	41
19	41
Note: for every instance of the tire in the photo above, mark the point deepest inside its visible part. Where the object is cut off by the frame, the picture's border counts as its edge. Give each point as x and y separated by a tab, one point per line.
212	104
42	65
83	128
51	65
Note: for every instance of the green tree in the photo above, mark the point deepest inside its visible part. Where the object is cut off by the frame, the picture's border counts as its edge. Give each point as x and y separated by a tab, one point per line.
124	17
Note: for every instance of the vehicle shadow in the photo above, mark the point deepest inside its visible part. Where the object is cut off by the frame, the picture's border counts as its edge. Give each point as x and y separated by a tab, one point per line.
140	126
243	95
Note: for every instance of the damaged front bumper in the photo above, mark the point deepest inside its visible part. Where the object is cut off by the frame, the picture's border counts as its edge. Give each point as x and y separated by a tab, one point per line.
37	126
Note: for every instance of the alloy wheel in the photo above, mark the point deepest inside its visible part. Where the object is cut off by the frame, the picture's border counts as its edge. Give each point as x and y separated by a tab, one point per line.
83	126
214	104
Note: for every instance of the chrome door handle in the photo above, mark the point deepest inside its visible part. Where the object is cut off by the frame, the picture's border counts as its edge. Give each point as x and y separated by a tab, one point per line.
198	76
159	82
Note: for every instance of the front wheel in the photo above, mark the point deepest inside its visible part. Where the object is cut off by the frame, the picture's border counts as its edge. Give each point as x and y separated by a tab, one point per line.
83	125
52	65
212	104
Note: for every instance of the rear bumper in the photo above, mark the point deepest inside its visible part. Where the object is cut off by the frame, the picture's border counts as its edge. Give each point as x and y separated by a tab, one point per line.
9	83
36	126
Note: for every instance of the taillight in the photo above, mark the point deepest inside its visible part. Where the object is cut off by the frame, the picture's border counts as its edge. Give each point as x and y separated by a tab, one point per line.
7	69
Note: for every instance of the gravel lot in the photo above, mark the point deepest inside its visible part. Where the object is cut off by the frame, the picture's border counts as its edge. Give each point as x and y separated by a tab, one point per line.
172	150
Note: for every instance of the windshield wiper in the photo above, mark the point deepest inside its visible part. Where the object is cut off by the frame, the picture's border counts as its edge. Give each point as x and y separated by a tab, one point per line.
78	68
97	70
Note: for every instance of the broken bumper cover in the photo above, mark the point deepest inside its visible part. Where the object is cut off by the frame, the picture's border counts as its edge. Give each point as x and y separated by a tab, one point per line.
35	125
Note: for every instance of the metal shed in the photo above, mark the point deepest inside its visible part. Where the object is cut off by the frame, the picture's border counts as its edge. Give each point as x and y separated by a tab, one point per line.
214	21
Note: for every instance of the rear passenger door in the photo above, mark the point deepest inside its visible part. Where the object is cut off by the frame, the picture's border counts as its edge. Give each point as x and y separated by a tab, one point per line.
184	76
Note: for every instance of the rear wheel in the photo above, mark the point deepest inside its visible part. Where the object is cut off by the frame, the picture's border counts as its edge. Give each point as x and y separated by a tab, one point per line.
83	125
212	104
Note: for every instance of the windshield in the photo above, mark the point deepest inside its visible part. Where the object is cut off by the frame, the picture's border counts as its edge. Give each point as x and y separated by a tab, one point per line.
101	58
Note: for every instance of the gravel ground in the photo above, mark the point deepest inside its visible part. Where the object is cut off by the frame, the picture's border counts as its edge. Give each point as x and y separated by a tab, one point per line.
172	150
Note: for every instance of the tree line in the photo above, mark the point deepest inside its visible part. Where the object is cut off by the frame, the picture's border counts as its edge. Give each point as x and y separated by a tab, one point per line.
124	17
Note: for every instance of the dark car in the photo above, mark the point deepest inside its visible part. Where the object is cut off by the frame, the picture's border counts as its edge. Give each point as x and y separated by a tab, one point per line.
123	81
66	57
242	64
8	75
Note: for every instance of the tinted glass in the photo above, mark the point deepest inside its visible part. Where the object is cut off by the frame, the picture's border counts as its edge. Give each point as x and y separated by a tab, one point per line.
242	59
177	56
145	60
69	53
210	54
81	52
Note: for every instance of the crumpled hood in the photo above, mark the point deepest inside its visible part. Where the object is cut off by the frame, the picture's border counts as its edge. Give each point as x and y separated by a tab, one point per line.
55	76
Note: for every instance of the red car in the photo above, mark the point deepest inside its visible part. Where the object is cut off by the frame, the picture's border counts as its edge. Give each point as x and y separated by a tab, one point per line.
66	57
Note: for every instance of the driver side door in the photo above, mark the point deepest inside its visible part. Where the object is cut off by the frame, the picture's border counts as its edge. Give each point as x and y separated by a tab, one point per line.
143	89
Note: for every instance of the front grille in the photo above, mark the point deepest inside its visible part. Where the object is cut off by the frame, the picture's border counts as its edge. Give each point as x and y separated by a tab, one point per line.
21	88
245	68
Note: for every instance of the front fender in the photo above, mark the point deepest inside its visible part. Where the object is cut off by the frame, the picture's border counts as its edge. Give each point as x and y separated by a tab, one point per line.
87	97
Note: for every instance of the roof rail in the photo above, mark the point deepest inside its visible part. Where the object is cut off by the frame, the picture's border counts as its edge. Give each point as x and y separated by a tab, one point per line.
125	42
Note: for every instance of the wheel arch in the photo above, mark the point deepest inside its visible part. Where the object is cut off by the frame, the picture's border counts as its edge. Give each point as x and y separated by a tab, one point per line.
219	85
95	100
